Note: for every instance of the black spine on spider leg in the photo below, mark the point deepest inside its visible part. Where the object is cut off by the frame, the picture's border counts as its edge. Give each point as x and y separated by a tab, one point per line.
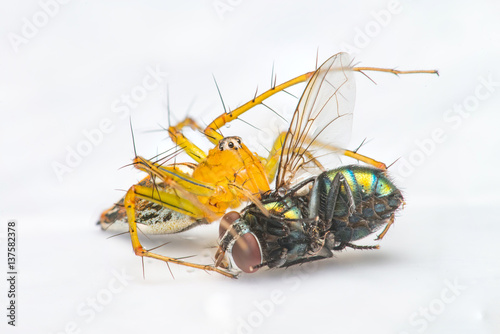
220	95
133	138
273	86
167	98
274	111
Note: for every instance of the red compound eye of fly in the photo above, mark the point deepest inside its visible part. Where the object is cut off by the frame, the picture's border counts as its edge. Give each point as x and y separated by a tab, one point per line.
246	253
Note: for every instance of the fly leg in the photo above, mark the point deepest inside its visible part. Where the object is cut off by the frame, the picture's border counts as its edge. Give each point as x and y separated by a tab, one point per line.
333	195
353	246
309	259
381	235
344	244
325	209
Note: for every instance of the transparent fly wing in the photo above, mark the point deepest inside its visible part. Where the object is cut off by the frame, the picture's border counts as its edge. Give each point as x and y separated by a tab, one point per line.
321	125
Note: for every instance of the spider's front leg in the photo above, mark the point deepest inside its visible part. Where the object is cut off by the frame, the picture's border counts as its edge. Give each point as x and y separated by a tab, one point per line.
172	201
214	136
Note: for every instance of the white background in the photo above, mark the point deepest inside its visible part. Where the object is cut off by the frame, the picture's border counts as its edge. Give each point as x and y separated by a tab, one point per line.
438	268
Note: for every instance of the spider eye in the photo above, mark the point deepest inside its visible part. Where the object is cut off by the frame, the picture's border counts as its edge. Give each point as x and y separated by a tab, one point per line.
221	147
231	145
238	140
